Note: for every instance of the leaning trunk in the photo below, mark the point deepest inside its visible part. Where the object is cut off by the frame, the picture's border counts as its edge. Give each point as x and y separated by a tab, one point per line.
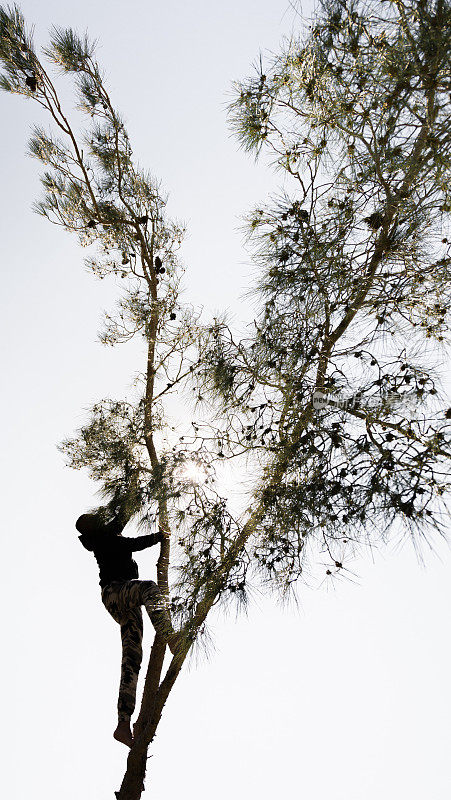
132	785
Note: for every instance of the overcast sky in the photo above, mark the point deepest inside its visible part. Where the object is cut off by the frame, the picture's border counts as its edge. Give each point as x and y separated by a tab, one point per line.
347	698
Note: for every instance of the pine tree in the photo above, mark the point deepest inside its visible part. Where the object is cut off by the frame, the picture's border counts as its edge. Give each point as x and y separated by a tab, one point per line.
333	402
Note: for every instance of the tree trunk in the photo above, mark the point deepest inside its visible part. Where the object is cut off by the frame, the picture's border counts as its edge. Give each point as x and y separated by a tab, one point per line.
132	785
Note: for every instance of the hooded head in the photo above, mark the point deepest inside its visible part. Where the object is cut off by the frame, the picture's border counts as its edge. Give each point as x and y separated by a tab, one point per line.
87	523
88	526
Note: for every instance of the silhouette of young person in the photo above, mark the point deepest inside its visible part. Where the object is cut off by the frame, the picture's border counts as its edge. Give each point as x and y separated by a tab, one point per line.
123	594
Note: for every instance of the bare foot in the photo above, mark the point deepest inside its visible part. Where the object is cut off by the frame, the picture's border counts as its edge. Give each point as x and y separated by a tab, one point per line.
123	733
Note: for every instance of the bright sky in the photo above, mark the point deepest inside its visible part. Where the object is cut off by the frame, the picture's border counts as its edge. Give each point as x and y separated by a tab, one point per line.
347	698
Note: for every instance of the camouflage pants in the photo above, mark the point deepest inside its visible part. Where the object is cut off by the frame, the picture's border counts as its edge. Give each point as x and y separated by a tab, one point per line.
123	600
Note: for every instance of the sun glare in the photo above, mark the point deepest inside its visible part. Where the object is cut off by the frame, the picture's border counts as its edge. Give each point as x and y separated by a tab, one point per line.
192	472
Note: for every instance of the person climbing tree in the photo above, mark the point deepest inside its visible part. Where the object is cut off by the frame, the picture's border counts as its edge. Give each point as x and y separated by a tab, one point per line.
123	594
352	296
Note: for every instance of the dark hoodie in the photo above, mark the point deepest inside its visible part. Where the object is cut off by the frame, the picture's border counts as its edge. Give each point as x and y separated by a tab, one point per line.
113	552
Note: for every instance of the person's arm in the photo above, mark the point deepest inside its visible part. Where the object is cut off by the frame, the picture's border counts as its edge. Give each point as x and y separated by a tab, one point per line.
141	542
116	526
